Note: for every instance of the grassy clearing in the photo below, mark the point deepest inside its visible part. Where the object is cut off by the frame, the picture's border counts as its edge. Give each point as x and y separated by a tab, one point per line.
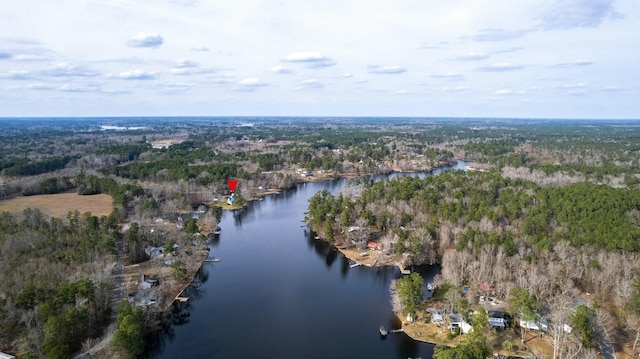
58	205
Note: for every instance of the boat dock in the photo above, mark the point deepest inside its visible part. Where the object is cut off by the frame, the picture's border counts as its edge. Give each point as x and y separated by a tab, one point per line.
403	270
384	331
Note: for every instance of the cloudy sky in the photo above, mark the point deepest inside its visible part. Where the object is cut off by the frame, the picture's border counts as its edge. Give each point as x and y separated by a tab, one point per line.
434	58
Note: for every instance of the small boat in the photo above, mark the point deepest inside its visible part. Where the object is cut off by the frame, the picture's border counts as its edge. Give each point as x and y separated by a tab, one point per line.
431	286
213	260
353	263
383	330
218	230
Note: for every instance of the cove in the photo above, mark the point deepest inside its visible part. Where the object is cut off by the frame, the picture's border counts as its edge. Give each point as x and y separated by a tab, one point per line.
280	293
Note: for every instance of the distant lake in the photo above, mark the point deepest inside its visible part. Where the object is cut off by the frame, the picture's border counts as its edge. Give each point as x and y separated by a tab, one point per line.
279	293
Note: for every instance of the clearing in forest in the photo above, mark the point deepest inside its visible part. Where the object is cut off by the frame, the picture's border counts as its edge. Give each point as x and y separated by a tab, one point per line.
58	205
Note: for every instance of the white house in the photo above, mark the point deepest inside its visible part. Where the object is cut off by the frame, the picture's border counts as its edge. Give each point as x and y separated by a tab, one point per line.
456	321
6	356
540	324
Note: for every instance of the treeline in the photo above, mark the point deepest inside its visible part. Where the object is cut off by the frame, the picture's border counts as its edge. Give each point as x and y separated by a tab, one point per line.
13	166
55	281
483	208
121	194
124	151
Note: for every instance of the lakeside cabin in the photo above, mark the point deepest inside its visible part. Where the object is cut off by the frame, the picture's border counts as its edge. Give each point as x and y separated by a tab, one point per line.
375	246
497	320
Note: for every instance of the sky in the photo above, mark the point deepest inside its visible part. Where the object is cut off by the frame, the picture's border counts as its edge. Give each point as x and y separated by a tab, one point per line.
418	58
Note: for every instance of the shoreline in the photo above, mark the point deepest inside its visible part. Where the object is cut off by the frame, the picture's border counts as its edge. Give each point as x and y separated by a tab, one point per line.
191	273
422	330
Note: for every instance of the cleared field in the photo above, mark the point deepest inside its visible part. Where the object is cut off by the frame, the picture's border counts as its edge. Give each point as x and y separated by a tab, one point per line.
58	205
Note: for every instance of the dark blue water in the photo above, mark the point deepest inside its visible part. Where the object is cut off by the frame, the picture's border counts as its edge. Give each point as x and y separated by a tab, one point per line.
279	293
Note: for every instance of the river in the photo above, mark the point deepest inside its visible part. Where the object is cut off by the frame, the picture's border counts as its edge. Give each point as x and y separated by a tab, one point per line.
279	293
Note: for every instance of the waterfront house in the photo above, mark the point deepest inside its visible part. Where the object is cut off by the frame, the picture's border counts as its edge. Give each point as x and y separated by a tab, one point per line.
540	324
456	321
497	320
437	318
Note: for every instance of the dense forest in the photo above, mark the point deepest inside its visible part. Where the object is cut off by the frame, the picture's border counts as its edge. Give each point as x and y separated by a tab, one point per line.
549	211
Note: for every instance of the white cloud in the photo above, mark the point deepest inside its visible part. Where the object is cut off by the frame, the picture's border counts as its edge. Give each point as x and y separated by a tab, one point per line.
186	67
612	88
567	14
69	70
386	70
576	63
184	63
313	60
77	88
40	86
499	34
472	56
189	71
476	48
448	76
312	83
29	58
280	70
252	81
503	92
17	75
455	89
577	92
576	85
507	92
145	40
500	67
136	74
249	84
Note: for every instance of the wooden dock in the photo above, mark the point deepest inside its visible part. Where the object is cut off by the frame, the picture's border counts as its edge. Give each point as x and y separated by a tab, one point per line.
384	331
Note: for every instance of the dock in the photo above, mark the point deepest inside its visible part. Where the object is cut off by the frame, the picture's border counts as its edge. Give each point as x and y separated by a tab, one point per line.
403	270
384	331
214	260
182	299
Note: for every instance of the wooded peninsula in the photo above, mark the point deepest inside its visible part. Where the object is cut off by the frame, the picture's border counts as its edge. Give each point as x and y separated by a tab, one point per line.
545	221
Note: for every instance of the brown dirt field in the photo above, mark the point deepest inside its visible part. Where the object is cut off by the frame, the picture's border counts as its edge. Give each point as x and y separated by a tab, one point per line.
58	205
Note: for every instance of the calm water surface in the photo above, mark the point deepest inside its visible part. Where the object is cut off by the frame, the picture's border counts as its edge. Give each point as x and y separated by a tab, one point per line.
279	293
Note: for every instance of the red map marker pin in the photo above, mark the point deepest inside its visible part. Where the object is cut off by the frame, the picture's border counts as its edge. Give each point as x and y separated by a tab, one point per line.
232	185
